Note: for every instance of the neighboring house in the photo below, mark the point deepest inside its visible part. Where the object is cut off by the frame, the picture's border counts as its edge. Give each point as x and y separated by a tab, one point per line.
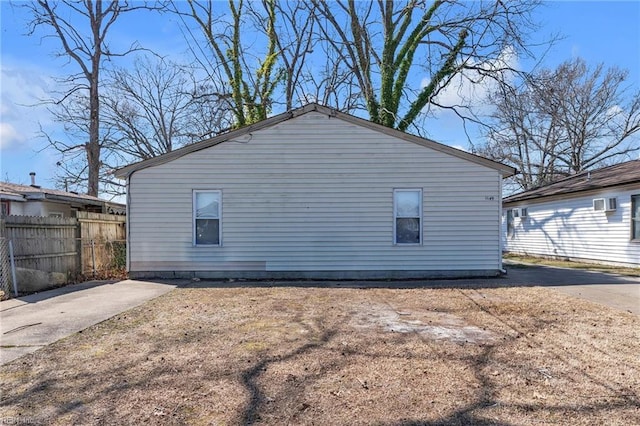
590	216
32	200
314	193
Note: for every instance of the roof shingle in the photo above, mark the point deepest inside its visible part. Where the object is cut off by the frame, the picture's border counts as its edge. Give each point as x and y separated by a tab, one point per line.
26	190
619	174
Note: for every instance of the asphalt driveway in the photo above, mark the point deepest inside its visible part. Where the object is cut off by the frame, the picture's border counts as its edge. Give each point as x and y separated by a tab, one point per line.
616	291
30	322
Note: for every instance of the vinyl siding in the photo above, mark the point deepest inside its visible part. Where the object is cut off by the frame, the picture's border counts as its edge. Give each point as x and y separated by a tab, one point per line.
571	228
316	194
39	208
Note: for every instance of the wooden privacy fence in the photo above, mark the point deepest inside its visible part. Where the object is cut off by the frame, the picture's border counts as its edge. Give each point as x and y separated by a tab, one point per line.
43	243
102	239
84	245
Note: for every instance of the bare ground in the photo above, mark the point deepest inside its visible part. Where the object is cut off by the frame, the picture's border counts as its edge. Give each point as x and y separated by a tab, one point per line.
518	356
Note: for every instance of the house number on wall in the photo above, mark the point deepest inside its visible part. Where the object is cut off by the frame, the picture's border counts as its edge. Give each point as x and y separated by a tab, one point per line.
489	198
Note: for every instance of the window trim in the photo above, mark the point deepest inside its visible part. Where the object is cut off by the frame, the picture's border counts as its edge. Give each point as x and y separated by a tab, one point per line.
634	221
511	225
420	217
194	218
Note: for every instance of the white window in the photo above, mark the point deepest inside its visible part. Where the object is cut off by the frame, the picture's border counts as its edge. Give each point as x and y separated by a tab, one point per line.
510	226
635	217
206	217
56	214
407	215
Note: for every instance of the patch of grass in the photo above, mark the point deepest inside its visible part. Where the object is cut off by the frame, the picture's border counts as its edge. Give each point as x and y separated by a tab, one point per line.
534	260
523	356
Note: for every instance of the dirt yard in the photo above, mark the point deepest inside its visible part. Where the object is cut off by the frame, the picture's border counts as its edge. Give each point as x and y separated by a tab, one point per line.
328	356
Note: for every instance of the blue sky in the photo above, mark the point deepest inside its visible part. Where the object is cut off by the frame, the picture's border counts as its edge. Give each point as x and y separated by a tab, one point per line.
607	32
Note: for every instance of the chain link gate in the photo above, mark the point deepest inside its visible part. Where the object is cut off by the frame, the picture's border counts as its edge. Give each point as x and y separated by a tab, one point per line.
6	281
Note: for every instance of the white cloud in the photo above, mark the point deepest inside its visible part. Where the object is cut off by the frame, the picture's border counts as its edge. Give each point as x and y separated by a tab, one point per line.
469	89
23	87
614	112
575	51
460	147
9	135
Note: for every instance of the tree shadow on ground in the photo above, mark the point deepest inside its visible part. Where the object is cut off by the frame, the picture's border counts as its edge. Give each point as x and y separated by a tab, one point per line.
86	387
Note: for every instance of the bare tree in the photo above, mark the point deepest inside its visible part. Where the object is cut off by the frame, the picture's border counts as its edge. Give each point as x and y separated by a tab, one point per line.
232	56
73	115
295	41
82	27
563	121
332	85
385	44
520	135
146	111
158	106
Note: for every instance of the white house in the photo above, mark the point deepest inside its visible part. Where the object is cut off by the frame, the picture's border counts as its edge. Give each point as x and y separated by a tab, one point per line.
314	193
34	200
591	216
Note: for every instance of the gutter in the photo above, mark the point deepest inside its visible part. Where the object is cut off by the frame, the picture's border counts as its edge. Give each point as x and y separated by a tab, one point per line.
127	223
506	202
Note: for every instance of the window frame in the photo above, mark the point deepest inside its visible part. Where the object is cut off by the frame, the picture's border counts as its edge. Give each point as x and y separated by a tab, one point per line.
634	221
420	217
511	225
194	219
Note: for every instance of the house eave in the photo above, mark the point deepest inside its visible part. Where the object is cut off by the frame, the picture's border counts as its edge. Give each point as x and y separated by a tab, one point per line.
74	200
507	202
71	200
125	172
12	197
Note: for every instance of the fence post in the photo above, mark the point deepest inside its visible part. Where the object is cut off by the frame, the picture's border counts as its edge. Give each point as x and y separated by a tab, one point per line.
93	257
79	247
13	269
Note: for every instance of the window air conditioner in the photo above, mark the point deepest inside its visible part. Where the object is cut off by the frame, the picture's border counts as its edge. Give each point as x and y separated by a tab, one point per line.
598	204
605	204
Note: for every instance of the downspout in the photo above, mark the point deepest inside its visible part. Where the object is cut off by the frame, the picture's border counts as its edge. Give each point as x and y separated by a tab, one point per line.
500	246
128	223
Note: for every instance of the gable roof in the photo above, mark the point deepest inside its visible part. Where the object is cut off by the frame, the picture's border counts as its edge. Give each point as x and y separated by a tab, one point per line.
619	174
126	171
16	192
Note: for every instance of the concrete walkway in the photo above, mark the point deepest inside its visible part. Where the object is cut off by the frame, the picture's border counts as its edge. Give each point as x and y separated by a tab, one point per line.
30	322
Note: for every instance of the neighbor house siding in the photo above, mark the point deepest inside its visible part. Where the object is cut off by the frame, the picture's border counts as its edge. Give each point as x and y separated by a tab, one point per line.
315	194
569	227
51	208
40	208
16	208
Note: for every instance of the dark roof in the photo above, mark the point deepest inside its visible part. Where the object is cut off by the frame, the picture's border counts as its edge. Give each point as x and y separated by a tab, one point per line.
619	174
125	172
13	191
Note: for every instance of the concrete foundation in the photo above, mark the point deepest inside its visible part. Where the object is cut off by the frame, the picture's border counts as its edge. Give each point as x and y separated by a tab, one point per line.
315	275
